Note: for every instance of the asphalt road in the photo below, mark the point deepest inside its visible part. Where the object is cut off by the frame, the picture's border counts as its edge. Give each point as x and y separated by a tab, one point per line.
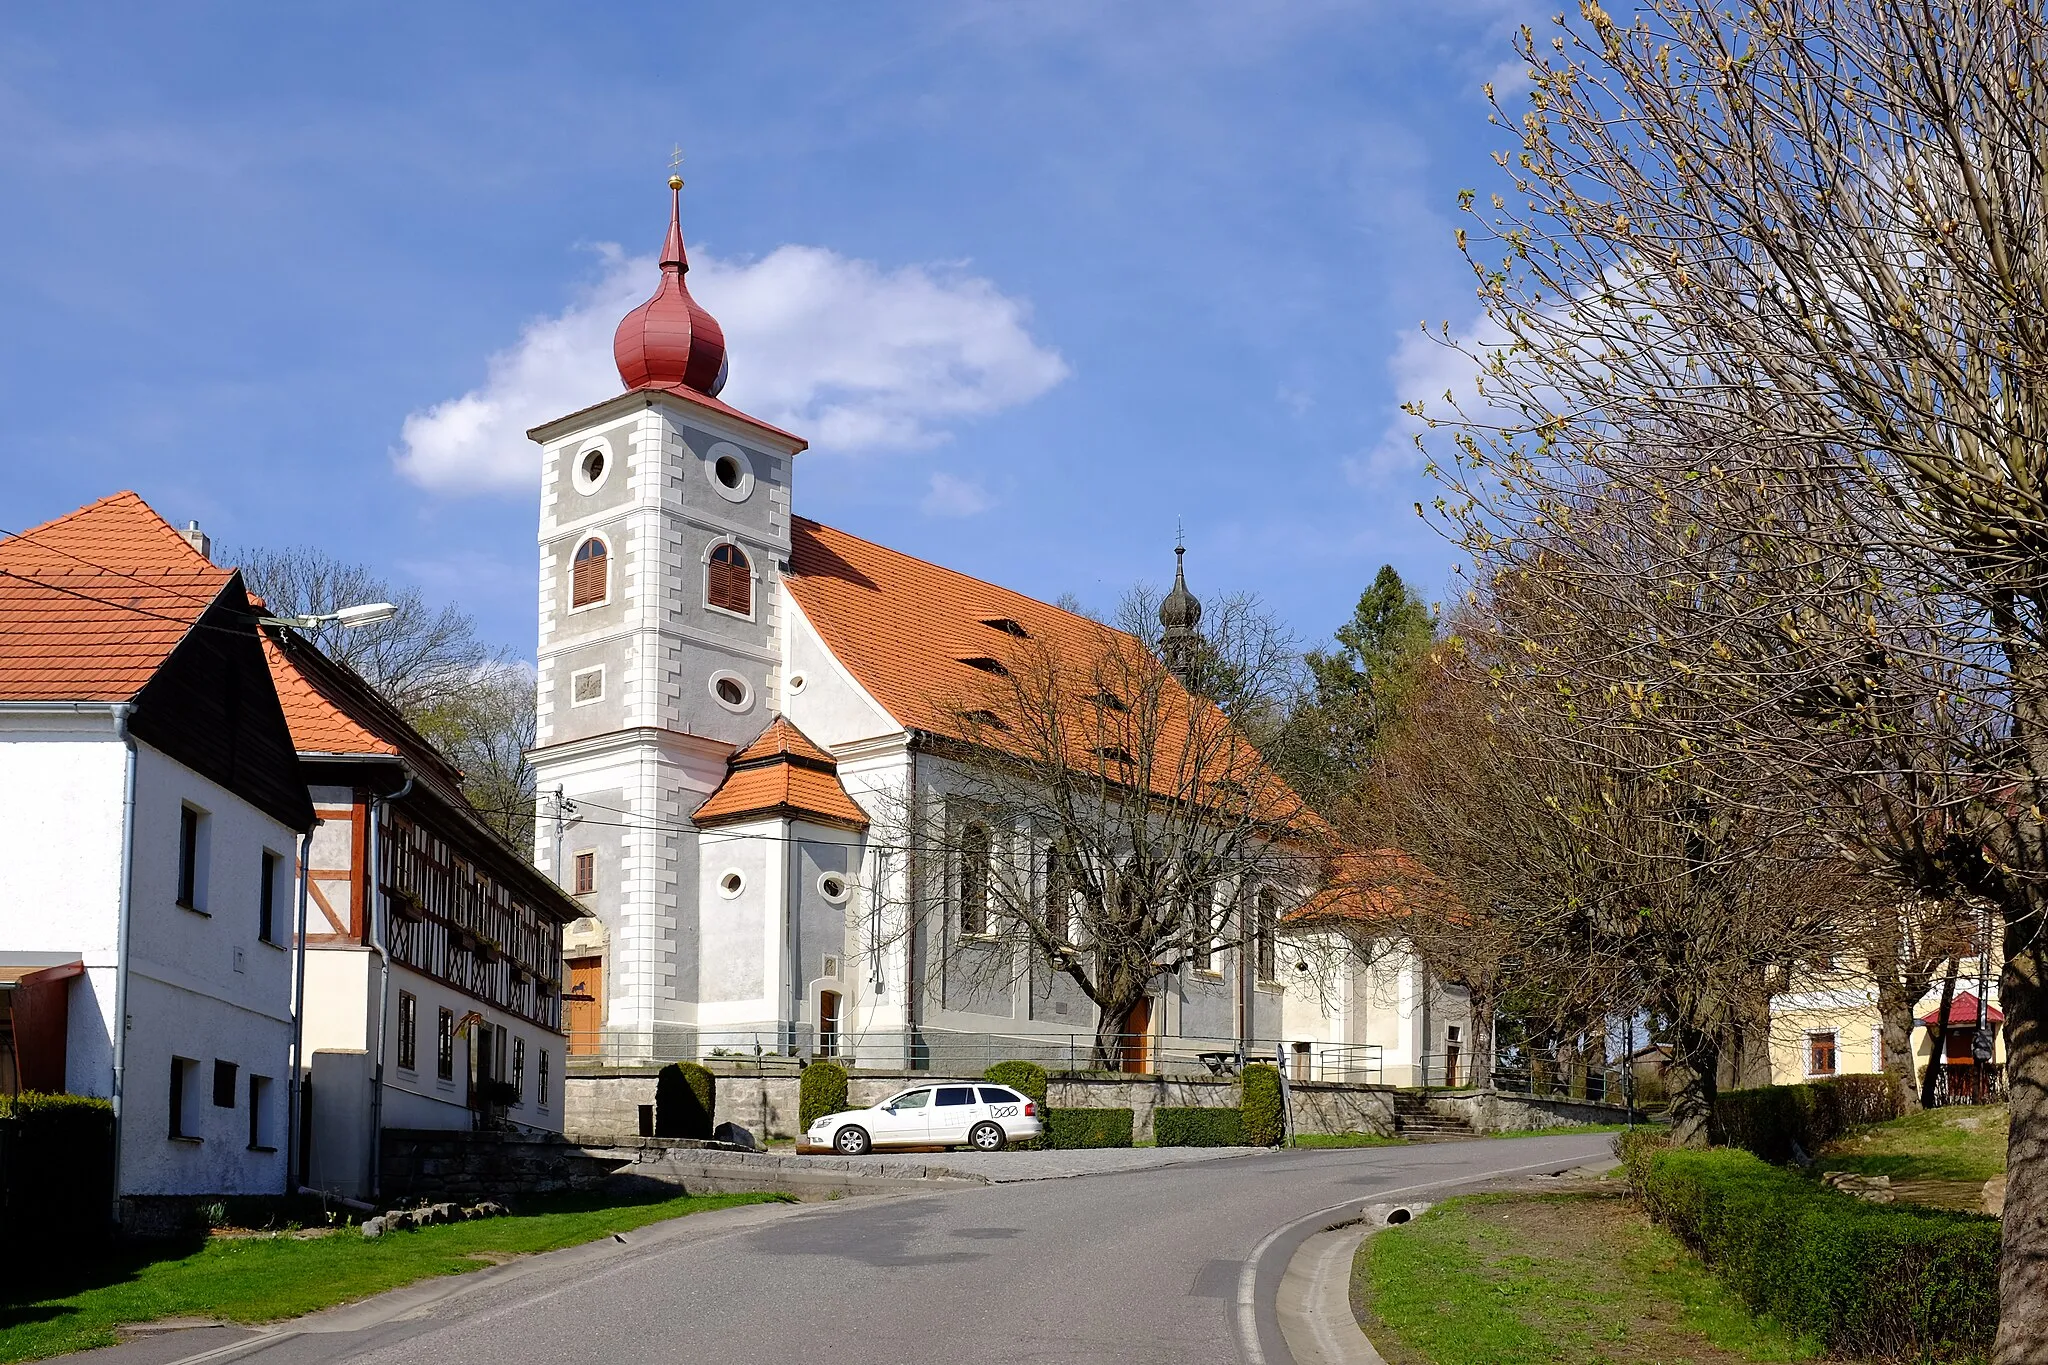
1131	1267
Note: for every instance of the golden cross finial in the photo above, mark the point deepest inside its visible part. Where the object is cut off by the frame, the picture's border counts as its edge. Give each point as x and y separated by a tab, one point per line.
675	168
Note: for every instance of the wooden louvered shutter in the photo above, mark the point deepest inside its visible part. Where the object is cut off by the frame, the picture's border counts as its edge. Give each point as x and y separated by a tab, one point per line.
730	585
588	583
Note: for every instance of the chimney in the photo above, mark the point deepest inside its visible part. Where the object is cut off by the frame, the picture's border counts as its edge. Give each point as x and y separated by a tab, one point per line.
197	539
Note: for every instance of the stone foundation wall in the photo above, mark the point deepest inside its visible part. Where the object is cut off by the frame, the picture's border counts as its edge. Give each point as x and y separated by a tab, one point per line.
433	1165
1499	1112
602	1106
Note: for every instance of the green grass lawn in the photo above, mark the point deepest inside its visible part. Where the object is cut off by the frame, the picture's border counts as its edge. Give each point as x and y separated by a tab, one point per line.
263	1279
1347	1140
1960	1142
1570	1279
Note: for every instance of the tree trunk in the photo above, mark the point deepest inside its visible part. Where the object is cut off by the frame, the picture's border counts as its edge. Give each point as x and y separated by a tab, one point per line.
1481	1066
1940	1048
1112	1022
1689	1077
1895	1001
2023	1265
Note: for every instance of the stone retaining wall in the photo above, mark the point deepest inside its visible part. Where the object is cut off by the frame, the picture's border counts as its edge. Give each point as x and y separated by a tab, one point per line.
1502	1112
602	1105
433	1165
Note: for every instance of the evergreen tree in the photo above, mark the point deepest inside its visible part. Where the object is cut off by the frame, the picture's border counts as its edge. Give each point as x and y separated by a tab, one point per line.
1355	689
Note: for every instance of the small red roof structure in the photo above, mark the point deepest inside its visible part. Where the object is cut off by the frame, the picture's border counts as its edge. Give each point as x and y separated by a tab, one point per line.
1962	1012
782	773
670	342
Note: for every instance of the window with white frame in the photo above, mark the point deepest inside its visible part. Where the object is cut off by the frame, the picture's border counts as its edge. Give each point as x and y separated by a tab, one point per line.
195	831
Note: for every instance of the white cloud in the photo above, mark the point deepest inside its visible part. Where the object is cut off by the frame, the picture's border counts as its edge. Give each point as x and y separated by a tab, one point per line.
950	496
1423	369
840	351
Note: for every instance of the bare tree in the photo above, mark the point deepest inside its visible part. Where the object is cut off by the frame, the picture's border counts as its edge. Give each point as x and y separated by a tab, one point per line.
1110	821
474	702
1768	285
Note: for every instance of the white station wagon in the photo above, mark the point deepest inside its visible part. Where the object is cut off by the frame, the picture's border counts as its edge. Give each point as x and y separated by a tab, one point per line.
981	1116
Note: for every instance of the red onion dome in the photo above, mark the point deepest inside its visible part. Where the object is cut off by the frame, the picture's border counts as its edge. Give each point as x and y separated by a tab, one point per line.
670	341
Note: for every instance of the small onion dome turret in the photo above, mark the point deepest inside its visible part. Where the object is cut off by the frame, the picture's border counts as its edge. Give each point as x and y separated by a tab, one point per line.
1181	612
670	341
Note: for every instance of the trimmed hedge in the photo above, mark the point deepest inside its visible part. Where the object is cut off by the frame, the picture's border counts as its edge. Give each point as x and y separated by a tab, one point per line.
1200	1127
822	1091
1873	1280
1770	1119
685	1098
1071	1128
56	1176
1265	1119
1028	1079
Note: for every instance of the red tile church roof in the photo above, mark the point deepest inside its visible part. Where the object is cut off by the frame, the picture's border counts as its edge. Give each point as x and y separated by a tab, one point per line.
782	773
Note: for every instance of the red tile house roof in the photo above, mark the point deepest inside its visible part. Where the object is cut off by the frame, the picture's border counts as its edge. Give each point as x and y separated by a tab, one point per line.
782	773
91	604
111	605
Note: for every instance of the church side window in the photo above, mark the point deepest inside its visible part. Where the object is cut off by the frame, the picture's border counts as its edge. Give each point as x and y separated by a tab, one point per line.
729	584
591	573
974	879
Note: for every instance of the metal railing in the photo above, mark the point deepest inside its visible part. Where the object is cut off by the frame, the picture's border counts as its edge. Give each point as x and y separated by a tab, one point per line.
1583	1082
1969	1083
789	1047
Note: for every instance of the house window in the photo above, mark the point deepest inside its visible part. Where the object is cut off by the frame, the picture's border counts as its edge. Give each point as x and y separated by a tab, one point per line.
266	898
1059	897
590	577
408	1031
975	866
224	1084
1202	927
262	1135
584	880
1268	924
519	1069
540	1079
729	580
193	831
444	1046
1820	1054
183	1073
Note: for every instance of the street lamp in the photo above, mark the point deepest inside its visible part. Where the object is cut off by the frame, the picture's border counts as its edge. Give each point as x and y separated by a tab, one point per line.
363	614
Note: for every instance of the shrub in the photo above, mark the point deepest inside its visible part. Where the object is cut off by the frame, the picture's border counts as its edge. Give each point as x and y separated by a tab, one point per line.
1635	1147
822	1091
1072	1128
1265	1121
56	1175
1770	1119
685	1098
1198	1127
1873	1280
1029	1080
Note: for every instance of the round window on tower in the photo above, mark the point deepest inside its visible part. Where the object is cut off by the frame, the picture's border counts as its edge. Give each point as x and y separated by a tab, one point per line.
797	683
592	466
730	690
731	884
833	888
731	470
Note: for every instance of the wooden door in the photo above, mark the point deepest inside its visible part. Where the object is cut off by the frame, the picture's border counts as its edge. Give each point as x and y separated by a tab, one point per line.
583	1005
1136	1044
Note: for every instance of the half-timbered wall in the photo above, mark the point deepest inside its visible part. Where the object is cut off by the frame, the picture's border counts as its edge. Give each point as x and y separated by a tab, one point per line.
456	923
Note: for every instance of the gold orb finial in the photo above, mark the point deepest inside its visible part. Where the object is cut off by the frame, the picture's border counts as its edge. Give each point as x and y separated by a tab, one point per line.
675	182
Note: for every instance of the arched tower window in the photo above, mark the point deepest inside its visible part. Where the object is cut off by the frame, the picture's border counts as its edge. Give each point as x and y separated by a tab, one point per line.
730	583
591	575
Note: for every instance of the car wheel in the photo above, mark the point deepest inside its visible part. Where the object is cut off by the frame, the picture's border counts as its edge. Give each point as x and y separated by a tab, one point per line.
986	1137
852	1140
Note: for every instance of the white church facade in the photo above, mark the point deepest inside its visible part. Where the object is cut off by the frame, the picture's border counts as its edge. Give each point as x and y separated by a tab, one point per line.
733	703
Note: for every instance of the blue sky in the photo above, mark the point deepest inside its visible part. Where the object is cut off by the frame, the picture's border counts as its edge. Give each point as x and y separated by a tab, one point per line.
1036	279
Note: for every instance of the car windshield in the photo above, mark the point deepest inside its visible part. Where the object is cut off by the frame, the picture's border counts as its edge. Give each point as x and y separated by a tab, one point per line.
911	1099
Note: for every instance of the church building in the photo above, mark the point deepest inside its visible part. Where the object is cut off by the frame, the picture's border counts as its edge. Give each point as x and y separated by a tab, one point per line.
733	703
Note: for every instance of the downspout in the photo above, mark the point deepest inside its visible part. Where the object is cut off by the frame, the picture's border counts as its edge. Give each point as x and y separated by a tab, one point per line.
123	712
913	875
374	900
294	1115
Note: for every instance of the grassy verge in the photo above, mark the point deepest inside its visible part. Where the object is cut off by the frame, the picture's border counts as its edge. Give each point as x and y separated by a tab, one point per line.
1347	1140
1579	1279
1963	1142
263	1279
1563	1130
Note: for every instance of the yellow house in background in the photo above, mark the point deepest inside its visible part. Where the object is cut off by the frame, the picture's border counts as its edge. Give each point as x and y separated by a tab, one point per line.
1827	1025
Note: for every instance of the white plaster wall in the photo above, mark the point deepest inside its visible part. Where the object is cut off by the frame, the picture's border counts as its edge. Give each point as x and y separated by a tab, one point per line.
736	935
61	790
337	1015
833	708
